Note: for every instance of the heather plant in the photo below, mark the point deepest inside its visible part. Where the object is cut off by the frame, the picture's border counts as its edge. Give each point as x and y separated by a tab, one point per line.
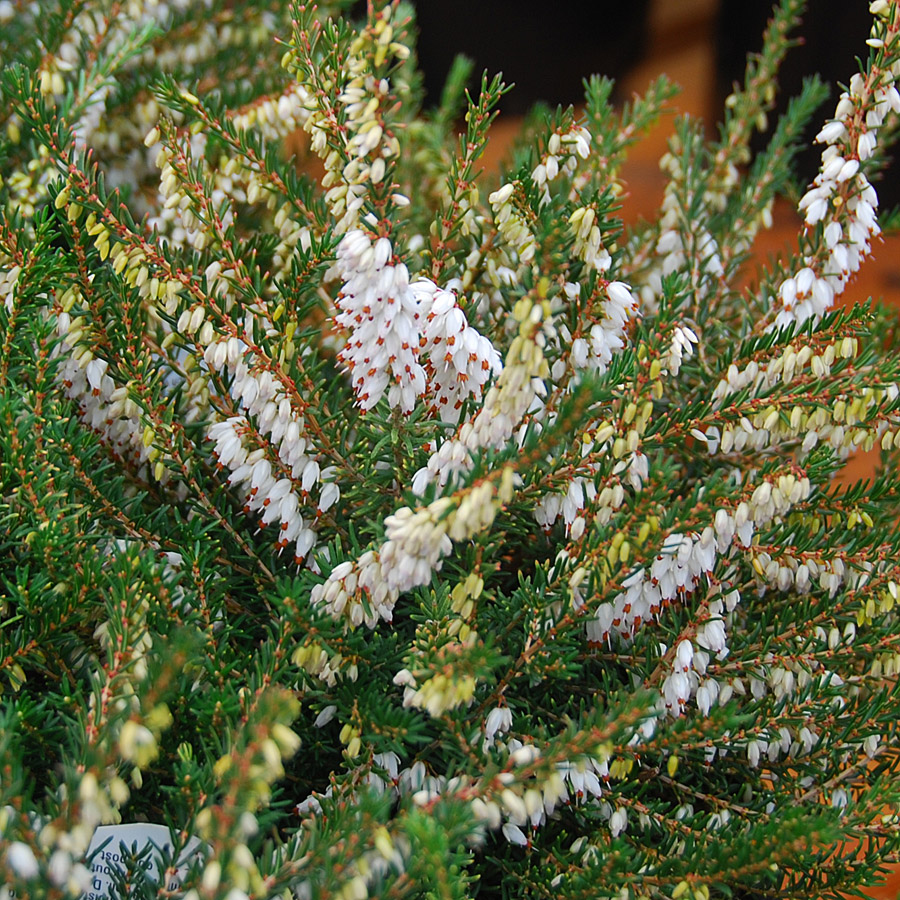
375	525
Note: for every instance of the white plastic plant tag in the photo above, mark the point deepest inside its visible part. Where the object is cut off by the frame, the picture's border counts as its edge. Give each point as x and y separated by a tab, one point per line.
136	838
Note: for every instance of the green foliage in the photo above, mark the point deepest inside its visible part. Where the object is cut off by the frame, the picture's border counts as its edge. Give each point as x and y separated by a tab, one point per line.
397	528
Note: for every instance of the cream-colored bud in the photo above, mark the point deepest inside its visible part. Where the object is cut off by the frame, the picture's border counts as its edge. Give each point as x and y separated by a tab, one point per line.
137	743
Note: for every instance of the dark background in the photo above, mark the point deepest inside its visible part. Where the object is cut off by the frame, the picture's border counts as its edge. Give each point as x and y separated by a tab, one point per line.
547	49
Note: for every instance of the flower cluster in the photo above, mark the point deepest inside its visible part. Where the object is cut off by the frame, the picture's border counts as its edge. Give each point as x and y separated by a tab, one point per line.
851	423
406	339
515	229
516	391
511	214
509	802
607	335
348	129
680	248
275	491
564	149
176	217
417	541
460	360
589	239
841	201
103	405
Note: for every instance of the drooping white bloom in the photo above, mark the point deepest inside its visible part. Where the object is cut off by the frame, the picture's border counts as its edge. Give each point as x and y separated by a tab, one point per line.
514	834
21	859
842	199
607	336
276	493
103	406
570	146
618	821
380	313
460	359
498	721
683	341
516	390
511	224
325	716
405	339
588	239
9	277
